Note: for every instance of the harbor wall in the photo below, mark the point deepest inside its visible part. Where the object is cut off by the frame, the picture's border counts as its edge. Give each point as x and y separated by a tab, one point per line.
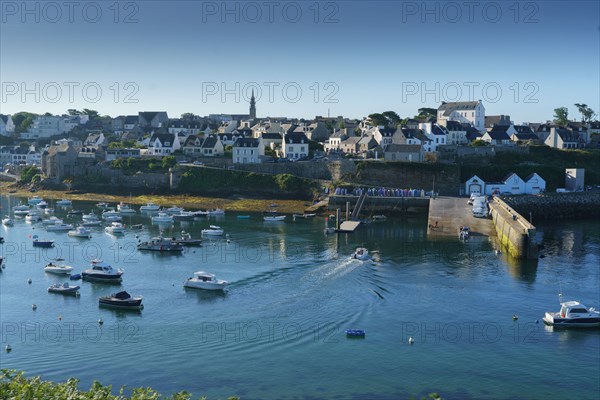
514	232
388	204
557	205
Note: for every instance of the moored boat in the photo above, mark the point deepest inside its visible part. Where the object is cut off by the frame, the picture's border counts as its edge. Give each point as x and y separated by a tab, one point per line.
80	232
52	268
59	227
65	288
102	272
34	200
213	230
115	228
7	221
64	202
273	218
186	240
160	244
150	207
206	281
42	243
355	333
573	314
162	218
125	209
121	300
216	211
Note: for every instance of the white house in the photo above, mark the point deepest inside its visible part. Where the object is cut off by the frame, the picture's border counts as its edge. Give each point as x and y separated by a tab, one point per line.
457	134
248	151
163	144
435	133
294	146
512	183
95	139
113	154
335	140
382	135
475	185
499	135
472	112
562	138
212	146
534	184
45	126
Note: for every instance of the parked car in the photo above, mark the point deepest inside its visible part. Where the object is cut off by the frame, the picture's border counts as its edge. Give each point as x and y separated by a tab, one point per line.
198	163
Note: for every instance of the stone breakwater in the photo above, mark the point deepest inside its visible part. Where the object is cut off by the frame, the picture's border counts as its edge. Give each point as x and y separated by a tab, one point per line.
557	205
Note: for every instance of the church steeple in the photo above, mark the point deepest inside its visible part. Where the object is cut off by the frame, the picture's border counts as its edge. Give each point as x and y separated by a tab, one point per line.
252	106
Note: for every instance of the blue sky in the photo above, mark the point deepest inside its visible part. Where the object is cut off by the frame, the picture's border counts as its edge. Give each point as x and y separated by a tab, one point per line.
303	58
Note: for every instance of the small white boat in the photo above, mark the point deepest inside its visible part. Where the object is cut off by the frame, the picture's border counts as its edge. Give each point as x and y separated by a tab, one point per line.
161	244
34	200
20	213
114	218
92	223
379	217
103	205
361	254
184	216
7	221
216	211
41	205
59	227
64	202
173	210
48	210
65	288
33	216
52	221
115	228
162	218
206	281
52	268
150	207
271	218
213	230
125	209
21	207
573	314
110	213
80	232
90	217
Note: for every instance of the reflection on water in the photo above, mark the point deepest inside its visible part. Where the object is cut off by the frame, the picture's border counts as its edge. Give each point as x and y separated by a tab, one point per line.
278	331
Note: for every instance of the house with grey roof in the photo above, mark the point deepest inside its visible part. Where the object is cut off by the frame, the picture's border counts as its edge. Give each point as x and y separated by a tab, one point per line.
350	145
382	135
493	120
472	112
248	151
410	136
335	140
523	133
499	135
163	144
212	146
95	139
564	138
294	146
436	134
456	133
154	119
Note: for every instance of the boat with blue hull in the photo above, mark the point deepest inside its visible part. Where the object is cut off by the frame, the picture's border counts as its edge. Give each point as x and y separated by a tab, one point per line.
573	314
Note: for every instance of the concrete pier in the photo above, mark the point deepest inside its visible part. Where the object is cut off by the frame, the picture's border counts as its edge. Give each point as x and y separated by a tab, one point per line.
515	233
448	214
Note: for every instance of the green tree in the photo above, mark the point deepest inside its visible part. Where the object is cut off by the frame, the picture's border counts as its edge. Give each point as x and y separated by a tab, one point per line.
92	114
168	162
377	119
23	121
72	111
561	116
28	173
392	117
586	112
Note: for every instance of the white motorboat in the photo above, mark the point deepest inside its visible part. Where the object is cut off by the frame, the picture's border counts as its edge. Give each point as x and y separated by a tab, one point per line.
150	207
64	202
52	221
121	300
161	244
125	209
216	211
113	218
213	230
59	227
162	218
90	217
102	272
33	216
184	216
186	240
361	254
21	207
173	210
80	232
65	288
41	205
103	205
110	213
274	218
7	221
115	228
92	223
48	210
52	268
573	314
34	200
206	281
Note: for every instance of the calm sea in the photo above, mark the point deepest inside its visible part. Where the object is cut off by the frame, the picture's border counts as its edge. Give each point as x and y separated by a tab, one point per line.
278	331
